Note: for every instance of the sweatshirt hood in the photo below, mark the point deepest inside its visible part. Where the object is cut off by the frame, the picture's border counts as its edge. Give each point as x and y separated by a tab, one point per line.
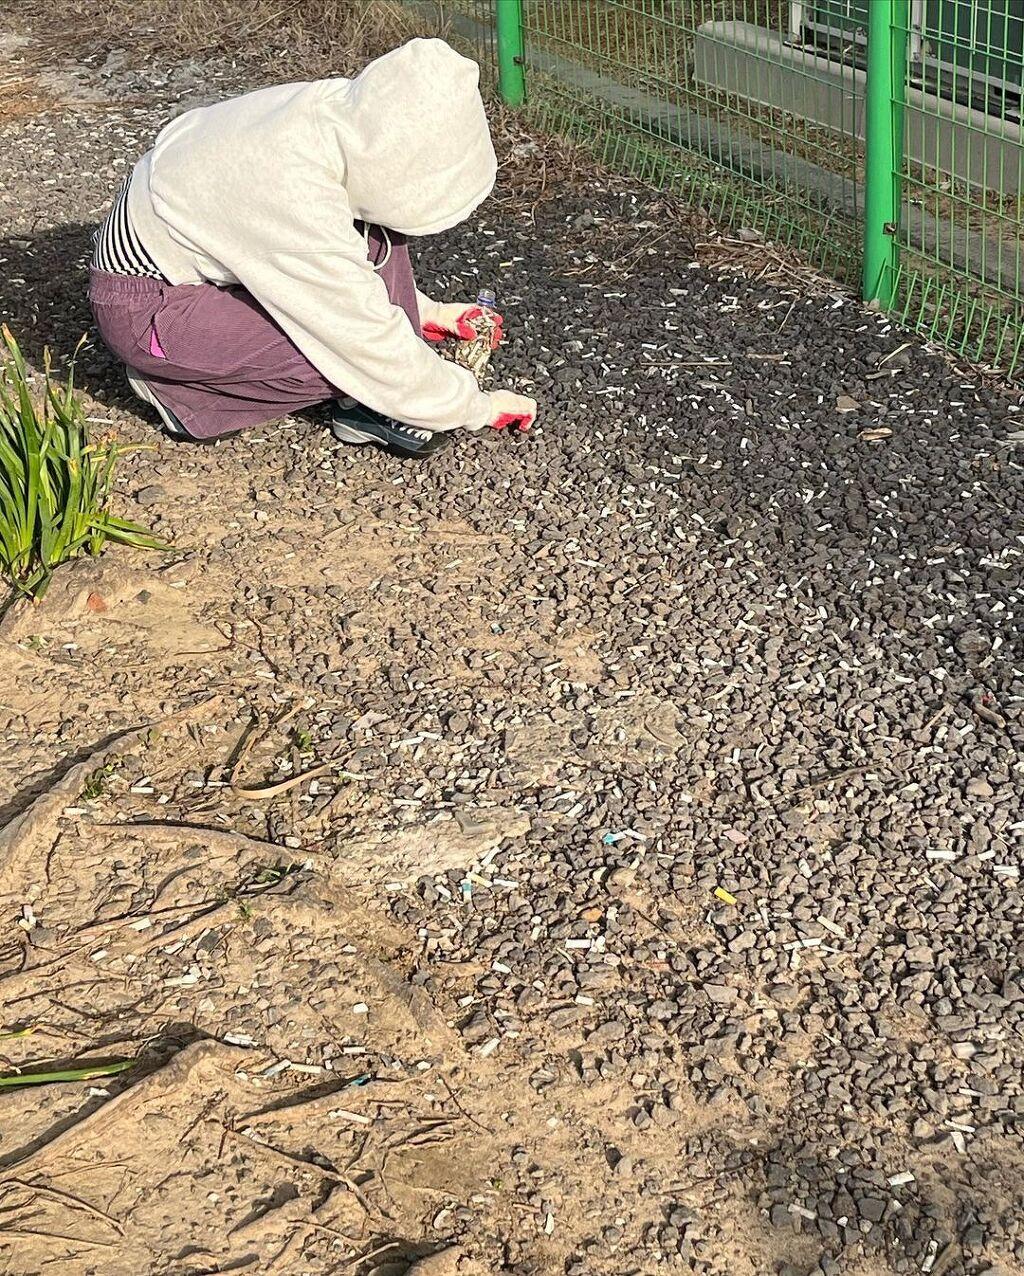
414	139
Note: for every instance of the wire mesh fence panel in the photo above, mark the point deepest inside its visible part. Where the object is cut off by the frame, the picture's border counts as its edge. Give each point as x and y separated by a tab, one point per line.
756	112
722	100
960	278
476	18
468	25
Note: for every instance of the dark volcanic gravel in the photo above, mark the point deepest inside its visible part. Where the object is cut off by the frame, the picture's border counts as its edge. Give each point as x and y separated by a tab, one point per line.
769	898
830	626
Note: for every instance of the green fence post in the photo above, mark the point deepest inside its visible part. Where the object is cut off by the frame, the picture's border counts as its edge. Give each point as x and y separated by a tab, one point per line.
511	76
885	101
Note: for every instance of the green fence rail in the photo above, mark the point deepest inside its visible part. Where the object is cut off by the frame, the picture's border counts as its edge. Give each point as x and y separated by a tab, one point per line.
880	138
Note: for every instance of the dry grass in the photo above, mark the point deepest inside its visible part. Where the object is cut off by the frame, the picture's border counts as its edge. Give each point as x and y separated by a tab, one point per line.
649	39
314	37
19	98
537	168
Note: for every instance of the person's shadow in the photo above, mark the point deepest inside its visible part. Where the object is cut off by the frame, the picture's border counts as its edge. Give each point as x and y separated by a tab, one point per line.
44	284
44	280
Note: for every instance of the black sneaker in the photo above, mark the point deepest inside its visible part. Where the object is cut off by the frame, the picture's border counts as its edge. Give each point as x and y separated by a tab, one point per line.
353	423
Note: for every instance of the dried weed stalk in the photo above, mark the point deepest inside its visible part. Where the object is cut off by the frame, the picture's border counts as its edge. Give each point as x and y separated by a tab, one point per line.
314	38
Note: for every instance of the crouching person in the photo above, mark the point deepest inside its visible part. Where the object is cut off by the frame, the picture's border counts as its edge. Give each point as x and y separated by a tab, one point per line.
256	261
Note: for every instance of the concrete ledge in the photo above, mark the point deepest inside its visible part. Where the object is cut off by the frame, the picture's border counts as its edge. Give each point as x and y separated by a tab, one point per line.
756	64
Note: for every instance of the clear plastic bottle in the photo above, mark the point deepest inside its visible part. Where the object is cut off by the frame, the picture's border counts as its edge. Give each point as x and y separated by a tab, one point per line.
476	353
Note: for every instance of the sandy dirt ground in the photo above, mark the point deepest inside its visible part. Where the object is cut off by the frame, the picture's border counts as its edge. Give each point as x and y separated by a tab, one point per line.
374	825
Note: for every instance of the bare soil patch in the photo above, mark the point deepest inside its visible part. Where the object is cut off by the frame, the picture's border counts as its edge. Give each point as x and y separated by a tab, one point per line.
507	863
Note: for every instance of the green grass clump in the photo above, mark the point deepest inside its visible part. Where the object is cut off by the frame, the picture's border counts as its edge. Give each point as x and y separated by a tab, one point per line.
55	483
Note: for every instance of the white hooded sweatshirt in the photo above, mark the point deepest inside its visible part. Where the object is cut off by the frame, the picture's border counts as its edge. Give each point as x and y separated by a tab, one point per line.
262	191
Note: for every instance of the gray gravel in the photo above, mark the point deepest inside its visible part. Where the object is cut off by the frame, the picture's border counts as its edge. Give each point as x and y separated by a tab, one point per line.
833	623
807	695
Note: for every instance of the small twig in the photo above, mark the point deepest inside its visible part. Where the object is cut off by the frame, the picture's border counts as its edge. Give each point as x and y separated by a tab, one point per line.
87	935
60	1236
469	1117
334	1231
333	1175
996	497
221	843
68	1198
686	363
185	928
835	777
893	353
371	1253
272	790
357	1156
943	710
253	734
265	22
296	763
287	1157
442	1127
243	748
358	1193
657	926
303	1101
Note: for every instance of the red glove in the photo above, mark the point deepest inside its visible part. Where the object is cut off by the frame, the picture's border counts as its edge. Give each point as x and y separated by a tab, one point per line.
511	409
456	320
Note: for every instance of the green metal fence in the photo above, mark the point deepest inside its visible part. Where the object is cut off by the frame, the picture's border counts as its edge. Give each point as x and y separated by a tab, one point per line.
660	88
881	138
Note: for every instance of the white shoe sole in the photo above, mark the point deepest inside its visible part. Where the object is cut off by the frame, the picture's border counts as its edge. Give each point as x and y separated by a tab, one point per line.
143	392
349	434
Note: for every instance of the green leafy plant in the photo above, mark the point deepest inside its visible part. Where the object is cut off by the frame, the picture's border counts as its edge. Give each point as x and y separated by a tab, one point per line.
270	875
96	781
55	483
